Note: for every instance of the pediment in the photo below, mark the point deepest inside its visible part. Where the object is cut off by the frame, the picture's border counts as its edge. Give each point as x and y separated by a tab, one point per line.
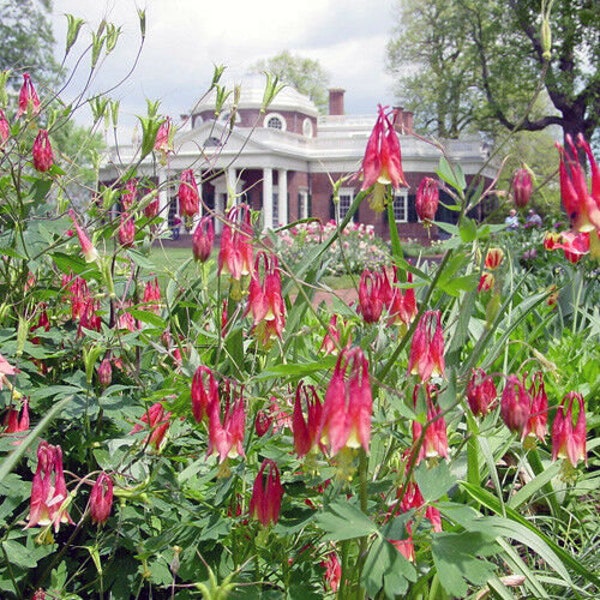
214	137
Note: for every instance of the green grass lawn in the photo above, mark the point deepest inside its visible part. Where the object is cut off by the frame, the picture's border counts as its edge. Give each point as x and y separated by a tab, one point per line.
168	260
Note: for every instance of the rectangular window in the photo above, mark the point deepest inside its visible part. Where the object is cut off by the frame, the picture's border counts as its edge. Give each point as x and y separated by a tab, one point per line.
401	206
346	196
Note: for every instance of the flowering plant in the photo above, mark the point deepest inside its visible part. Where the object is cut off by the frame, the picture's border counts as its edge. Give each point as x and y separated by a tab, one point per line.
221	435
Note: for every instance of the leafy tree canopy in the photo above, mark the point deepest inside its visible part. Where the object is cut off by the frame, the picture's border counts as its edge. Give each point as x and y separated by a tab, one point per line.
304	74
464	64
27	41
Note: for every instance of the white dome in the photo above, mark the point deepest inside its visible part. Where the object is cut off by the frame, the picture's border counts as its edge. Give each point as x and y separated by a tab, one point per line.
252	89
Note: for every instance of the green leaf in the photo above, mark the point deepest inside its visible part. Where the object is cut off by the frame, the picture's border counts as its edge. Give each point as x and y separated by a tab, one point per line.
435	482
343	521
386	568
455	556
534	486
467	230
451	174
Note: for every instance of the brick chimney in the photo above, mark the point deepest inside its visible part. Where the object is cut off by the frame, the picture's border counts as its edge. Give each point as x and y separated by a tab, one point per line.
336	101
403	120
409	121
398	119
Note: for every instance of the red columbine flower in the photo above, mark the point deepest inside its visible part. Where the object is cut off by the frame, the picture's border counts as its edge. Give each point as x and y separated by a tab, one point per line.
48	489
538	409
370	296
428	199
382	163
43	158
157	420
152	296
164	138
126	231
226	426
522	187
203	239
494	258
348	404
481	392
265	301
515	405
28	98
568	440
205	391
435	439
333	571
236	254
17	420
402	306
87	249
101	499
427	349
411	498
4	128
332	339
306	430
267	493
189	196
581	205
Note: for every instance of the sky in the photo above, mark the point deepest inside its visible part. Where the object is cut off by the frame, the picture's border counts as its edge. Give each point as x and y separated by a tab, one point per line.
186	38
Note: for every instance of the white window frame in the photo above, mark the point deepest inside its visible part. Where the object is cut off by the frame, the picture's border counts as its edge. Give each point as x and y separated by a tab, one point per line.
275	115
347	194
401	194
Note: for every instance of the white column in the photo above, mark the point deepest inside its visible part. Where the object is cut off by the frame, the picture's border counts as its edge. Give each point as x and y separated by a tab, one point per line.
163	196
283	196
231	186
267	208
219	210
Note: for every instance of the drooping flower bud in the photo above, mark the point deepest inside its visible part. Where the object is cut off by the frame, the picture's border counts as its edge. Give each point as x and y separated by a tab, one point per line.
126	230
189	196
4	128
522	187
28	98
88	250
306	430
101	499
203	239
435	438
43	157
129	194
428	199
481	392
105	373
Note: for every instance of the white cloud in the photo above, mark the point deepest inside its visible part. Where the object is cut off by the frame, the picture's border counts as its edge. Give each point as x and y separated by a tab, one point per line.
185	38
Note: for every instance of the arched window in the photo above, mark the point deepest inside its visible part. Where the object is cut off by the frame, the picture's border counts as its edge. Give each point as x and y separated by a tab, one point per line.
275	121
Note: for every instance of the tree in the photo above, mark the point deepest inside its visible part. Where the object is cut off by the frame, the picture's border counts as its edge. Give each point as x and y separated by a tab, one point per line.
496	61
27	41
304	74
